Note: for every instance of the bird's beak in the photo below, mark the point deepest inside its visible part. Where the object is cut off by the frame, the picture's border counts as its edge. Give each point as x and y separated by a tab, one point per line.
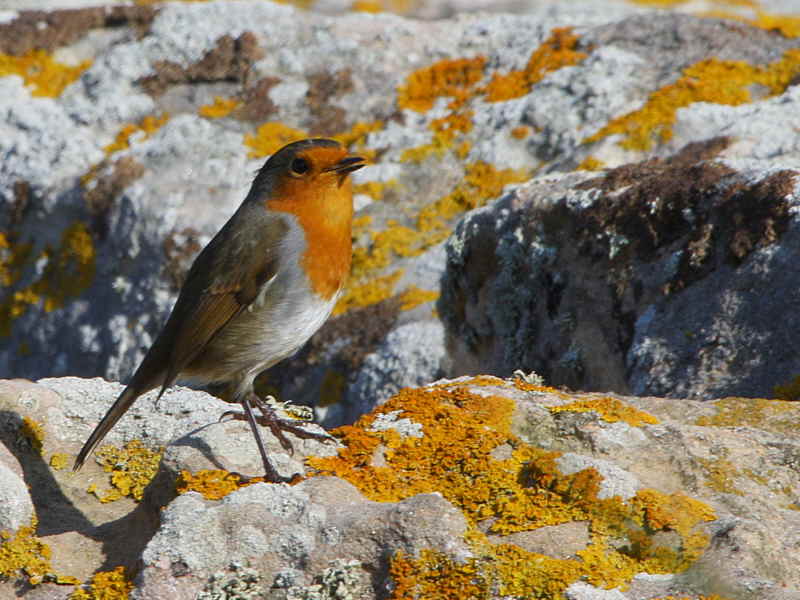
348	165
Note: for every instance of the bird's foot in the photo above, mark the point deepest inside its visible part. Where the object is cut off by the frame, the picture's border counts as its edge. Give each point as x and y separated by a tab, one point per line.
278	425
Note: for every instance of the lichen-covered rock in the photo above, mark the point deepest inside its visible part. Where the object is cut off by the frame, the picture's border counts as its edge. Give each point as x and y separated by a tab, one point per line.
651	278
503	486
133	132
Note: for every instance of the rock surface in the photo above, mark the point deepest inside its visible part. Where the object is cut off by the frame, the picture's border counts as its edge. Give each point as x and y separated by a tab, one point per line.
604	192
142	137
500	488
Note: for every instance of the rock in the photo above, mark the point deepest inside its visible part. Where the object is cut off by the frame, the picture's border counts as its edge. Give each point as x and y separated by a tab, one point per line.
647	279
16	502
511	485
290	535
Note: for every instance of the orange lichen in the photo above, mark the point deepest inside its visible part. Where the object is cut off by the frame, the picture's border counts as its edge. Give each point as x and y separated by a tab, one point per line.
105	585
710	80
24	554
131	468
435	576
399	7
449	78
521	492
270	138
557	51
610	410
413	296
41	73
33	433
135	131
221	107
212	484
521	132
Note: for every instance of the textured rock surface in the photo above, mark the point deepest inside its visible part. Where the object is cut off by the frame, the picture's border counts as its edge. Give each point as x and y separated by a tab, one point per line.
662	277
513	489
628	176
111	184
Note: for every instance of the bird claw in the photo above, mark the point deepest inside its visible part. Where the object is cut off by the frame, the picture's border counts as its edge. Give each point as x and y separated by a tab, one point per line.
276	424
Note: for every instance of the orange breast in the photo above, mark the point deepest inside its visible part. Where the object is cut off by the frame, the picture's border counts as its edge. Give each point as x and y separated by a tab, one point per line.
325	213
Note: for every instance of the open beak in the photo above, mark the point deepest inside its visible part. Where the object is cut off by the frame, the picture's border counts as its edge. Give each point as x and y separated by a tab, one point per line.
348	165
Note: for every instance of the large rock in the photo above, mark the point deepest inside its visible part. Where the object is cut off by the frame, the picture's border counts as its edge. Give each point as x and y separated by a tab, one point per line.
500	487
649	279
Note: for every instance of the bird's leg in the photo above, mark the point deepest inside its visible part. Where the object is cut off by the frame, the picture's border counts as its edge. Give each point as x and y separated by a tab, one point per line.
270	473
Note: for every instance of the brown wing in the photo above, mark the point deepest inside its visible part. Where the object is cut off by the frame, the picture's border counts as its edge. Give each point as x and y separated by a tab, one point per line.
224	280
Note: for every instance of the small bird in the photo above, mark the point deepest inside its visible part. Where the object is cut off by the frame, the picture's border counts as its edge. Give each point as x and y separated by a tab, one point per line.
259	290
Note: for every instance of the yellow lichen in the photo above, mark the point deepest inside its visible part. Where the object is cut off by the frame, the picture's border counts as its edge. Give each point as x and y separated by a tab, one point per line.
521	492
788	26
212	484
481	183
105	585
333	387
720	475
367	293
221	107
373	189
556	52
135	131
414	296
368	6
59	460
710	80
131	468
375	250
771	415
789	391
41	73
590	163
270	138
610	410
68	271
24	554
33	433
356	136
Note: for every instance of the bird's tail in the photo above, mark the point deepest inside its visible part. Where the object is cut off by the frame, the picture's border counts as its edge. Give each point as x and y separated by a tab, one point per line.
123	403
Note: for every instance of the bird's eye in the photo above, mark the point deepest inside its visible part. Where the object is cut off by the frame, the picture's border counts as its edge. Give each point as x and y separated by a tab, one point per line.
300	165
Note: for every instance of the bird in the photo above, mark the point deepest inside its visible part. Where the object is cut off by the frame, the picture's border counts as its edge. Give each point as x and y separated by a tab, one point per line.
263	285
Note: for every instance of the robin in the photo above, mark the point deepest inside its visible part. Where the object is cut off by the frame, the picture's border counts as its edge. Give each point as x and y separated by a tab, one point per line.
260	288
